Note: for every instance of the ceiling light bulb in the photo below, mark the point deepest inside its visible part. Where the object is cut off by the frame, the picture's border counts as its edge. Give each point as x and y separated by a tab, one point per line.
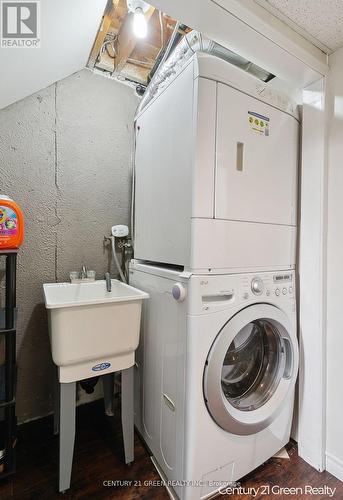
140	27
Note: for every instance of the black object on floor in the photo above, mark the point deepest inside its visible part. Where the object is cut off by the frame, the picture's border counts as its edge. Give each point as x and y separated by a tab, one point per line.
8	369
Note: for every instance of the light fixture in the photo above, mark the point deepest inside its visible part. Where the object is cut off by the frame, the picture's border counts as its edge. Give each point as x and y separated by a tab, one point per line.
140	27
139	8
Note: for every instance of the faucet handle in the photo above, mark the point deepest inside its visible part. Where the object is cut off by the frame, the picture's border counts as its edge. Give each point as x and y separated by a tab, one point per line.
83	272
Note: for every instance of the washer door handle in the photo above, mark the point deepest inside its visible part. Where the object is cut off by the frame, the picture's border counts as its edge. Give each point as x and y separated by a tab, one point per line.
169	402
288	352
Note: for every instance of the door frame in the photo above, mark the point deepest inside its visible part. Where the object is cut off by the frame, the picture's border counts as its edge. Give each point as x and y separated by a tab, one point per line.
312	269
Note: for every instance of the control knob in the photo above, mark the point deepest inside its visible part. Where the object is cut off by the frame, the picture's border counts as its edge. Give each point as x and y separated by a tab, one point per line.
257	286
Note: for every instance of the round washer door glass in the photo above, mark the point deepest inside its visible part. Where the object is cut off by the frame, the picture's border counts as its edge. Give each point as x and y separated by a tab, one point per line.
251	367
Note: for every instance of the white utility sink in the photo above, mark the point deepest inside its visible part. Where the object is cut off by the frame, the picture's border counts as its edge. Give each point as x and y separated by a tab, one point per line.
93	331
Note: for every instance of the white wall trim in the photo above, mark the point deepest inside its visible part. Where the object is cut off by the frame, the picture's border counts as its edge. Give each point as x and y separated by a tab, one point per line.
334	442
313	276
335	466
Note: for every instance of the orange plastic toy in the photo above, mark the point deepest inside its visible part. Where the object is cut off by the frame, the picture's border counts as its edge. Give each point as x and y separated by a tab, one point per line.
11	224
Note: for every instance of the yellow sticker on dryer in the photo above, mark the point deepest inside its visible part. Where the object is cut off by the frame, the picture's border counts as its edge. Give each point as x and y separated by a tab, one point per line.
259	124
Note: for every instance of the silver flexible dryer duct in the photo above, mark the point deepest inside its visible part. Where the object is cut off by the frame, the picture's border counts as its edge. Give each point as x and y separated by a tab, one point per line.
190	44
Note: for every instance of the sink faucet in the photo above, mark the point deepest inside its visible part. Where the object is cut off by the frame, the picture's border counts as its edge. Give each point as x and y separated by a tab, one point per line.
108	282
83	273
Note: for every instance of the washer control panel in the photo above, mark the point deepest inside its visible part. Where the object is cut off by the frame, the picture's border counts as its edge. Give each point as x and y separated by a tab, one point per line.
268	285
206	294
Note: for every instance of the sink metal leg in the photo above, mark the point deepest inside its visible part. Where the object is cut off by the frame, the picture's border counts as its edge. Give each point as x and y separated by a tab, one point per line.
56	403
127	415
67	433
108	388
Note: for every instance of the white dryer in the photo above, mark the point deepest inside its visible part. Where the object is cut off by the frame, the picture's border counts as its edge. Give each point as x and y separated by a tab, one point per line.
216	369
216	171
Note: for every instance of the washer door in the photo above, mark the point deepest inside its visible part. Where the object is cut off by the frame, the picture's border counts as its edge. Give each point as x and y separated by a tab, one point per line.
251	367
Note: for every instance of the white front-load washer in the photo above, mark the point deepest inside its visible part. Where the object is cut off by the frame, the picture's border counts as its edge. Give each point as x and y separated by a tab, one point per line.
216	369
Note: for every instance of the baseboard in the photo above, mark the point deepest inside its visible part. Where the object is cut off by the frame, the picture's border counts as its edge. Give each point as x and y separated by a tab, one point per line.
309	457
335	466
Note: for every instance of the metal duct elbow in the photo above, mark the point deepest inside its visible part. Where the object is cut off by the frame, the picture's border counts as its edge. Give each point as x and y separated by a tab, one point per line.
198	43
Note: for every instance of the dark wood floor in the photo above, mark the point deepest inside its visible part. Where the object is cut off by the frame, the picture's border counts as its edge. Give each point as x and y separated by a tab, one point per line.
98	457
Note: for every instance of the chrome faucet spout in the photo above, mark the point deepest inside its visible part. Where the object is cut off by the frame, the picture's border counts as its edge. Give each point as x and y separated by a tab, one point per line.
108	282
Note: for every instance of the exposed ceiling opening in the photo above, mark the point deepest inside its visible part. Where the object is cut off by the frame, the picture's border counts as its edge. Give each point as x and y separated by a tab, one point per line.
125	53
119	52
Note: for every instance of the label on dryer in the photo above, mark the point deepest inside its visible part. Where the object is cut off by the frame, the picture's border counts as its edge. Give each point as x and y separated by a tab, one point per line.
259	124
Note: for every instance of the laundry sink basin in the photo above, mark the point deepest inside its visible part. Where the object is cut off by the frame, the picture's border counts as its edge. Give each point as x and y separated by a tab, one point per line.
92	331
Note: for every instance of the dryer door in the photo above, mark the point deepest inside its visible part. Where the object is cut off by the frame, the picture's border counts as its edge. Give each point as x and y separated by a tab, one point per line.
250	369
255	162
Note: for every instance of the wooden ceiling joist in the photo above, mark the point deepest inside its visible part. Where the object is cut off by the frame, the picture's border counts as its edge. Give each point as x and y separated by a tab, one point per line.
107	20
126	42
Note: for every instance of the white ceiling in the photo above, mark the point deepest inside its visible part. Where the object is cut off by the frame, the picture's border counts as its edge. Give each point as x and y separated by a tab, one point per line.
319	21
68	30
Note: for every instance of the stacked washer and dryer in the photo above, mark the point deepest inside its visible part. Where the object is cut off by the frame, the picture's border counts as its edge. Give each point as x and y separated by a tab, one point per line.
215	239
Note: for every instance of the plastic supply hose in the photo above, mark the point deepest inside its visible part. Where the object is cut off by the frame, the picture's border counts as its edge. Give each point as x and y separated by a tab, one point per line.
121	274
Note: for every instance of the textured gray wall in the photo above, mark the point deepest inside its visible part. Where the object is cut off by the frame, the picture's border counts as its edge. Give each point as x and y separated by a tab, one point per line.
65	156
